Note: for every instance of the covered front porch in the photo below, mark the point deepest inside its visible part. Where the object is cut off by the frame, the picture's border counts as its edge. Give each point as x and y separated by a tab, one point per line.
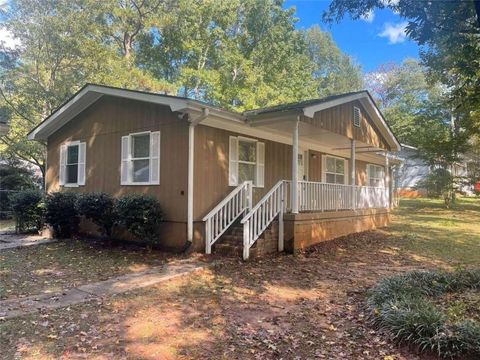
340	177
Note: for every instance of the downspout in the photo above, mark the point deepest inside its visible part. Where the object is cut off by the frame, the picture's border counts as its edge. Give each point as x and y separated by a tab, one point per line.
191	154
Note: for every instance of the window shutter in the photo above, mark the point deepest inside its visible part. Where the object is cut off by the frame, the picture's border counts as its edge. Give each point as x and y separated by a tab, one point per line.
155	157
82	149
233	162
125	164
63	165
323	168
260	180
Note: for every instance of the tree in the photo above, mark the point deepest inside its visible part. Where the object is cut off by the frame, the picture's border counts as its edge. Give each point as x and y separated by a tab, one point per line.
334	71
447	31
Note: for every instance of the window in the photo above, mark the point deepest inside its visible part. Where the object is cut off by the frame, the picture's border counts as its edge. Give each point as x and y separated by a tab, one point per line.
246	161
356	116
72	164
375	175
335	170
141	159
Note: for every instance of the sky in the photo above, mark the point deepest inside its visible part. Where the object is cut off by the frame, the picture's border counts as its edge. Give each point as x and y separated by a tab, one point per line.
375	40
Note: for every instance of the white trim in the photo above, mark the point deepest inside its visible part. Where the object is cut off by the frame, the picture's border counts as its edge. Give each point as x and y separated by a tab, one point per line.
130	160
190	165
324	168
91	93
310	111
238	161
67	144
382	178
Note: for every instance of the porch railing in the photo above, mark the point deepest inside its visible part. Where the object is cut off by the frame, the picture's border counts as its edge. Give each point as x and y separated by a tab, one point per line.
316	196
257	220
222	216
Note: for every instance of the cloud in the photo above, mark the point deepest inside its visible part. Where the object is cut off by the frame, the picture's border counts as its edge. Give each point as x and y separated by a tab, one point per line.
394	32
368	17
7	39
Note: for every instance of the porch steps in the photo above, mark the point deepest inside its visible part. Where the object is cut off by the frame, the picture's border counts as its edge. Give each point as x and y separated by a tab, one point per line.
231	243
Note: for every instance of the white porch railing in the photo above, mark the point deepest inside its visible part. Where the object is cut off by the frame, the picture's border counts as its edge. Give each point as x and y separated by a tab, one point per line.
316	196
273	204
222	216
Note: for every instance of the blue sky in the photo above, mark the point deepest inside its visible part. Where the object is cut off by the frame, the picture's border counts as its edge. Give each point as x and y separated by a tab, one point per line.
377	40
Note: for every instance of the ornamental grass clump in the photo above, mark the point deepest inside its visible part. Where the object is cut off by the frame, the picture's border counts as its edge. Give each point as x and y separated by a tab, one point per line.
405	306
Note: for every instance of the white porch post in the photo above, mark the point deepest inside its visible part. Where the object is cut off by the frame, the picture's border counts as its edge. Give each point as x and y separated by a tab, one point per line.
191	144
295	168
387	181
352	173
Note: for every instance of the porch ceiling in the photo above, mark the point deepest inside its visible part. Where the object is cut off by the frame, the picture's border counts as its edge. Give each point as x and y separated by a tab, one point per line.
314	138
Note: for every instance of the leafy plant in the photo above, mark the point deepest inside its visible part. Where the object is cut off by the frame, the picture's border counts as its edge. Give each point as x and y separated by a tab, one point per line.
99	208
141	215
402	305
61	214
28	209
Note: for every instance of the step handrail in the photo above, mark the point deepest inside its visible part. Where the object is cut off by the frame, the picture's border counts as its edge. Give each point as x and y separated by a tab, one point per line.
273	204
223	215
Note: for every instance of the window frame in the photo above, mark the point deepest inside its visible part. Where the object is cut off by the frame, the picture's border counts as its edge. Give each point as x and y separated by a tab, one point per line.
325	171
380	179
254	163
131	159
67	145
257	164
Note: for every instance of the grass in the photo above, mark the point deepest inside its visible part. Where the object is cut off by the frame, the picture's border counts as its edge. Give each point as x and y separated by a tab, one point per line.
305	306
427	230
7	225
66	264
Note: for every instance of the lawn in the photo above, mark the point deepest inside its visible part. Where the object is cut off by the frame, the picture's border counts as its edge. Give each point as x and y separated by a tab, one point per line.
294	307
66	264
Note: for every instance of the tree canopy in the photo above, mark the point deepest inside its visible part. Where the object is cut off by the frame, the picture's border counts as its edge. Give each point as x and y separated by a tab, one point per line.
238	54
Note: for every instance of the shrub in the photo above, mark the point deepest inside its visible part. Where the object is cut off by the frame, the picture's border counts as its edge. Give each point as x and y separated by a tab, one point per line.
28	209
141	215
60	213
99	208
403	305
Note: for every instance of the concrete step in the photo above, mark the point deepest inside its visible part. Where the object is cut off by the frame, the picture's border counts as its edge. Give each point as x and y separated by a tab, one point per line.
233	250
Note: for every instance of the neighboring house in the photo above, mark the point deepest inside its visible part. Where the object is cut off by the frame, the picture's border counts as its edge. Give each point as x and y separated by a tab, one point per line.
282	177
412	170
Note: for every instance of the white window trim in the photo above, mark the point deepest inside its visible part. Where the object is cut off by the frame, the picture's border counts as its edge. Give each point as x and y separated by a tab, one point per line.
68	144
324	169
130	160
382	179
256	163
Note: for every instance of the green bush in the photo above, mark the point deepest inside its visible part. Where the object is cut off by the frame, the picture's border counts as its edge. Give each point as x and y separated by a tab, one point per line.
141	215
99	208
61	215
28	209
403	306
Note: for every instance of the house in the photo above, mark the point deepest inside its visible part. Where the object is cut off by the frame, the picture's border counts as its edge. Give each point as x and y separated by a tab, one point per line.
412	170
282	177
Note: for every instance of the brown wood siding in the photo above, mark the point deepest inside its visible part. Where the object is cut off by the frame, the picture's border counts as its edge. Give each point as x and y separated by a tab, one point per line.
339	120
211	167
102	126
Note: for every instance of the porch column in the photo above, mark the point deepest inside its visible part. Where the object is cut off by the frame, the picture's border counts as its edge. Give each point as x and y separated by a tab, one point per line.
353	200
294	192
191	144
352	166
387	180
